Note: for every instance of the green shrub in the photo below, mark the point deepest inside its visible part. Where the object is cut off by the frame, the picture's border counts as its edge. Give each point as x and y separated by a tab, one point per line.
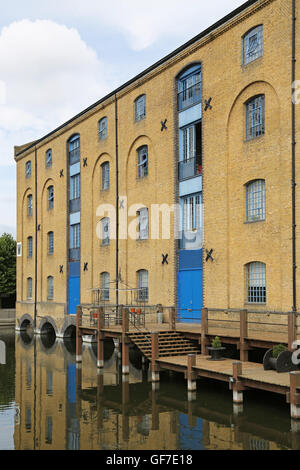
216	343
279	348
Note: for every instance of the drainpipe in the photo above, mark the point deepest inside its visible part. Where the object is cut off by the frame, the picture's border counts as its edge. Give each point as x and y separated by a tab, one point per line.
36	235
294	155
117	203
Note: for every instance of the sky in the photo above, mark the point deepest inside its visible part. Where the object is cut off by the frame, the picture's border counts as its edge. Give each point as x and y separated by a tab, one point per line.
57	57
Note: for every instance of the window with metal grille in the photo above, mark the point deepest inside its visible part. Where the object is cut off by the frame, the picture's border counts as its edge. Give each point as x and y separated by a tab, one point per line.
29	205
143	224
50	288
105	282
50	243
143	161
190	89
28	169
50	197
29	247
105	176
103	128
105	231
74	150
256	201
75	187
140	107
192	212
143	289
256	283
29	288
49	158
49	429
75	236
253	45
255	117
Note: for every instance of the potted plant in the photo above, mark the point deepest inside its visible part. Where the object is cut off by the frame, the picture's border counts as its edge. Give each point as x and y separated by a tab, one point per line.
216	350
279	358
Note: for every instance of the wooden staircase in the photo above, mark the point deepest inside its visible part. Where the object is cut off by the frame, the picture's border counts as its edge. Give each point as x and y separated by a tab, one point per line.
171	343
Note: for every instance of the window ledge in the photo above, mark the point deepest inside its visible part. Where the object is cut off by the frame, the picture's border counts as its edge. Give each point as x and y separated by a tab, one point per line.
255	61
256	303
250	222
254	139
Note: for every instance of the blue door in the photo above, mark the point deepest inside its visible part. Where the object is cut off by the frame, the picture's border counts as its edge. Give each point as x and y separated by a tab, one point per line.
74	294
190	296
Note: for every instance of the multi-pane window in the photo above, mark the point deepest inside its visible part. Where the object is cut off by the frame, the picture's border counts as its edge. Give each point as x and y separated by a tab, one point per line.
28	169
256	201
140	107
29	288
75	236
50	243
105	175
143	224
50	288
105	281
255	117
143	289
29	204
192	212
50	197
74	150
49	430
50	383
29	247
75	187
49	158
143	161
256	283
103	128
190	89
253	44
105	231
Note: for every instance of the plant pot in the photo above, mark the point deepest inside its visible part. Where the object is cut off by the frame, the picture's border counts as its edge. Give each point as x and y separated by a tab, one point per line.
216	354
283	363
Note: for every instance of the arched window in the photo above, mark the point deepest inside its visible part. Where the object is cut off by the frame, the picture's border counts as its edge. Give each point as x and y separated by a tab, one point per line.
74	149
103	128
105	176
142	161
29	247
105	223
256	283
50	243
49	158
50	288
143	224
253	44
140	108
105	282
256	201
29	205
29	288
50	197
143	288
255	117
189	87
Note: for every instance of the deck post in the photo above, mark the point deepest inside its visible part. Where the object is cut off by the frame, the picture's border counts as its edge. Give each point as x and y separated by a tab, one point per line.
125	340
172	319
154	356
243	335
237	386
100	339
292	329
204	331
191	376
78	334
294	394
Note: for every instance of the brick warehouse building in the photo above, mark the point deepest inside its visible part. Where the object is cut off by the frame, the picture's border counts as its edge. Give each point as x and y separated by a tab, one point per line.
211	127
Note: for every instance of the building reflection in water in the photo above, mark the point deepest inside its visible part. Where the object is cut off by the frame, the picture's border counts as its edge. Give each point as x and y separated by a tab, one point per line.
61	406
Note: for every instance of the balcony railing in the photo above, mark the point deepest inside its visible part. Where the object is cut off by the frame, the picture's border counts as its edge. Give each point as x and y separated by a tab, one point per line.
74	254
190	168
189	96
74	205
74	156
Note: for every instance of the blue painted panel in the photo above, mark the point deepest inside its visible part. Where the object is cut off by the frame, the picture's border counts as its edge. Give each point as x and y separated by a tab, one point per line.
190	115
190	295
190	186
75	218
190	259
71	383
74	294
190	438
74	269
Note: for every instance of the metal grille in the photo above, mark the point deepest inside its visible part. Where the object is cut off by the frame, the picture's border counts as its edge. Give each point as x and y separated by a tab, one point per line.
140	108
256	201
75	187
143	291
105	176
192	212
49	159
103	129
50	288
190	91
105	231
256	283
50	243
143	161
29	204
50	197
253	45
28	169
255	117
29	288
143	224
105	279
75	236
29	247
